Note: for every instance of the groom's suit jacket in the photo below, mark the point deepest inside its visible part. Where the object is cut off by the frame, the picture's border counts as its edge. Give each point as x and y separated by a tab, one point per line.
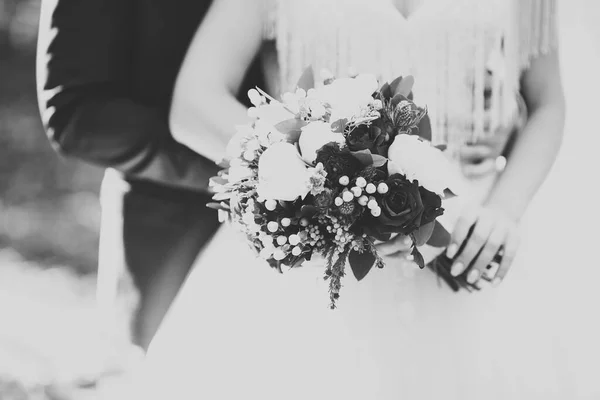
106	72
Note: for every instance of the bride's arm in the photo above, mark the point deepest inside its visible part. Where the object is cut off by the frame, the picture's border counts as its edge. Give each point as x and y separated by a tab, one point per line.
204	108
538	144
495	224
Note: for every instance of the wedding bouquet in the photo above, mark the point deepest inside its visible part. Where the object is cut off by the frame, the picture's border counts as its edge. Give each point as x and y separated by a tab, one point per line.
331	170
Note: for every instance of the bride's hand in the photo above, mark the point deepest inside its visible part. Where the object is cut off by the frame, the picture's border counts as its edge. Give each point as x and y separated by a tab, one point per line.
397	248
479	236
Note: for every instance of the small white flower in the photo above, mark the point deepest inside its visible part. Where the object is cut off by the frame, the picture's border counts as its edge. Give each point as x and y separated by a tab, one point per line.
282	174
255	97
317	109
273	113
318	177
420	161
238	170
316	135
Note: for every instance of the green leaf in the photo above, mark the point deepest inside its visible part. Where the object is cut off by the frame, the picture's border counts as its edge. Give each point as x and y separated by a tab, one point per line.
440	237
405	86
417	257
307	80
222	196
291	128
448	194
422	235
340	125
395	85
361	263
367	158
224	164
217	180
218	206
424	128
386	91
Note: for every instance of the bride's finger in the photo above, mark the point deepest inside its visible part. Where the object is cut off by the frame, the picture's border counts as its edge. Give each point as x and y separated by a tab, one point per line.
487	254
461	231
477	240
396	245
510	251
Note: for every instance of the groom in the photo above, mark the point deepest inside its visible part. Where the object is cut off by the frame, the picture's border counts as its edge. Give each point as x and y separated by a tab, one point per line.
106	71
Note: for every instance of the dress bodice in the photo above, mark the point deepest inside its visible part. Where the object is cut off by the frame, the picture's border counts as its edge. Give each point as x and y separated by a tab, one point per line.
447	45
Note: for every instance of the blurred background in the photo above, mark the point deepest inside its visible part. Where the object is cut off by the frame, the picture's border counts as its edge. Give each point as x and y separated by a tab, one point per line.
52	345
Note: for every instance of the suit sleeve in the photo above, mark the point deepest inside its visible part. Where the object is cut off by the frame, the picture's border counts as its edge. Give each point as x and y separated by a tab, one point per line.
83	69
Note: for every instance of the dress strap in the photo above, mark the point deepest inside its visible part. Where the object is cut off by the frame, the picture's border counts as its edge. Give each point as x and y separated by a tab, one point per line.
271	8
537	29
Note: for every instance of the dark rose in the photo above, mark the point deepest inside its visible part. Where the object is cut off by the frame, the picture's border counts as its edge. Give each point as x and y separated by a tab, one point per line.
432	204
402	206
365	137
337	162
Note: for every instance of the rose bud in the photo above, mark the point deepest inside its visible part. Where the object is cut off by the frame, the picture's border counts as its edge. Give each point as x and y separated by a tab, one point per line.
282	175
316	135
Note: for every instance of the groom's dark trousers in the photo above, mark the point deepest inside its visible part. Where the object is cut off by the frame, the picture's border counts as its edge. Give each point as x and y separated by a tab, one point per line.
106	71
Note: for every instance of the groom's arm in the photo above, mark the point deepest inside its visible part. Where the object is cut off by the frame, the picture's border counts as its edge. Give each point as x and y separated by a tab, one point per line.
83	72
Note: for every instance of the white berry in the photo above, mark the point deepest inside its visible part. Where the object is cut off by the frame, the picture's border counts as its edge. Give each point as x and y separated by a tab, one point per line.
294	239
296	251
285	222
279	254
371	188
363	200
376	212
347	196
338	201
382	188
356	191
281	240
273	226
372	204
249	155
361	182
344	180
266	253
255	97
271	205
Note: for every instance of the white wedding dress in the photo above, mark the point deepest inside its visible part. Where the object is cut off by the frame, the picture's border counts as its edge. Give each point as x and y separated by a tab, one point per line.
239	330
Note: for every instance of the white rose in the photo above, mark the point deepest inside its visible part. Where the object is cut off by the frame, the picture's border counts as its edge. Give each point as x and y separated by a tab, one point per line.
348	97
316	135
282	175
419	160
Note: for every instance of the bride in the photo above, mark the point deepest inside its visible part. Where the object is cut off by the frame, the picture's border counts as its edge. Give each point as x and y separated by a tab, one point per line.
240	330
